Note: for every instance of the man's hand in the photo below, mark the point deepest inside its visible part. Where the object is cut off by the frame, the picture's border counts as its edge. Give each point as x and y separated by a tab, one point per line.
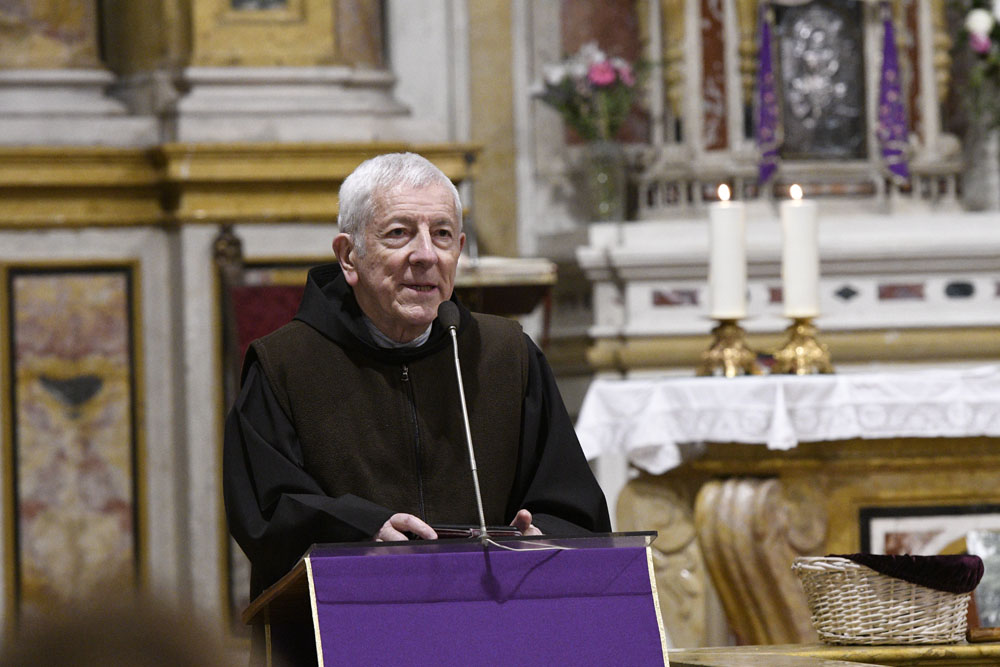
523	523
392	530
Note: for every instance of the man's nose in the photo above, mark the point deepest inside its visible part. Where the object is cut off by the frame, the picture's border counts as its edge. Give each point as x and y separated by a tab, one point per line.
423	248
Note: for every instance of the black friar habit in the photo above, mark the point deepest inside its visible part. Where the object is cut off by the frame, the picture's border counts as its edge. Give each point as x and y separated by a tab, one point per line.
331	434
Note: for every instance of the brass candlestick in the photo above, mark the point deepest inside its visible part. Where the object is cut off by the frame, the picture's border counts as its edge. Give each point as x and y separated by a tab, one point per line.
802	354
728	354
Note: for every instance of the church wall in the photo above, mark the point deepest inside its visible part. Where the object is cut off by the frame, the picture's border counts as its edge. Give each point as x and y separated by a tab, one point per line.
156	442
214	130
259	147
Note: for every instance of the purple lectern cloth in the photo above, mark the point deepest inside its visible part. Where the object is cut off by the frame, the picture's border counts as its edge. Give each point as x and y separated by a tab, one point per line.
472	607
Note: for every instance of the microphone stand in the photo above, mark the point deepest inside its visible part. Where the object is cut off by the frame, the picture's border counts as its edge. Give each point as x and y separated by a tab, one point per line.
484	536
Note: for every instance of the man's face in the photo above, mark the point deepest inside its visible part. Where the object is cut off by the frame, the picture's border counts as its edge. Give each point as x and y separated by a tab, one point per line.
411	253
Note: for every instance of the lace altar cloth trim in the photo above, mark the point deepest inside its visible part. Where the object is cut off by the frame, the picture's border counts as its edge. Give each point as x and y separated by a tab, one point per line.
659	422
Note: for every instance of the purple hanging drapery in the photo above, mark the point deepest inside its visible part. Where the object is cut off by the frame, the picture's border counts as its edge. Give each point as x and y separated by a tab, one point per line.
892	130
767	103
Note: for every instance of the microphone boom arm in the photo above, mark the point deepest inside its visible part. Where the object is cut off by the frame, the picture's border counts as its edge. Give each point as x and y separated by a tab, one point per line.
468	436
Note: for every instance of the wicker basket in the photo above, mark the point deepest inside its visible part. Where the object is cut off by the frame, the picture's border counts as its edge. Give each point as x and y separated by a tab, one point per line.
853	604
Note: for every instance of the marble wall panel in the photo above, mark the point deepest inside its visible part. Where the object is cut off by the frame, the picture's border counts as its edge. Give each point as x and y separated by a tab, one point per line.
713	73
908	48
74	443
48	33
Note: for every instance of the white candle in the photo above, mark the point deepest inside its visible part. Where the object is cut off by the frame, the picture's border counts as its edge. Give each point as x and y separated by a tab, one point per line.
727	266
800	256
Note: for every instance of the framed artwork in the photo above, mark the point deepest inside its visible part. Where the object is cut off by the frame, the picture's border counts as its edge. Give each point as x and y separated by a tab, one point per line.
923	530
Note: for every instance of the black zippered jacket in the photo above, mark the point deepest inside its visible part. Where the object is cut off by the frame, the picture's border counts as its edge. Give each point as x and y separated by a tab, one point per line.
331	434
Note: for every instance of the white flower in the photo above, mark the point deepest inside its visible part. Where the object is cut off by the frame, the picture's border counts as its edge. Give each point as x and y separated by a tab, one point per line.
590	53
554	74
979	21
577	69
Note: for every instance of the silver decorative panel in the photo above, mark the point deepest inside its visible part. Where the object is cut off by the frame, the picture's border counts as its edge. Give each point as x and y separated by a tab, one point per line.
821	60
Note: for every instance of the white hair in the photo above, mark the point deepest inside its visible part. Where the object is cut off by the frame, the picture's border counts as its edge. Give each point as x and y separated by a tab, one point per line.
361	192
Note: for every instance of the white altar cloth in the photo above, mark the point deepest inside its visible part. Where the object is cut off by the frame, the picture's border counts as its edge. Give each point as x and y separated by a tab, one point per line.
658	423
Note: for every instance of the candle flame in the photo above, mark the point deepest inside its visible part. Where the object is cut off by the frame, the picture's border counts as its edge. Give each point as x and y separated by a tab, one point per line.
795	191
724	193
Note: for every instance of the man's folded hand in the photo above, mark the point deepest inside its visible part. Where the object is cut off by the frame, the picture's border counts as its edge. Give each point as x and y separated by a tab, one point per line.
393	530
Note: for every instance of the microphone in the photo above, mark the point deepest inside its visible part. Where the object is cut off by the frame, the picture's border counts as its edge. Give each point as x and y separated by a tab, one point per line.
449	318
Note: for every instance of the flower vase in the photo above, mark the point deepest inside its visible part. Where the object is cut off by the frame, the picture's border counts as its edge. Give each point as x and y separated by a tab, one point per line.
981	181
604	180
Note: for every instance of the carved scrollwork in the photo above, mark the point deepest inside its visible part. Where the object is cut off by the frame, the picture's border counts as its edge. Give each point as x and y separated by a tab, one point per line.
681	579
750	530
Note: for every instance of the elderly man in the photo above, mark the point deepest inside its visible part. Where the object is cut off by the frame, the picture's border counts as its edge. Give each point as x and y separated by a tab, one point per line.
348	426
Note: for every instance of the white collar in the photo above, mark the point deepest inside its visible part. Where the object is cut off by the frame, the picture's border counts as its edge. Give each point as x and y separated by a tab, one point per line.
384	341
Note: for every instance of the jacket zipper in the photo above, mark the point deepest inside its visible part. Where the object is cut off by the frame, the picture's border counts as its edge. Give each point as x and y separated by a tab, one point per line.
416	438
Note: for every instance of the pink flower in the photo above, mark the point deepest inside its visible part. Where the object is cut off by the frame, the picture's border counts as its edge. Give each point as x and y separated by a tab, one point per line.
980	43
602	74
624	71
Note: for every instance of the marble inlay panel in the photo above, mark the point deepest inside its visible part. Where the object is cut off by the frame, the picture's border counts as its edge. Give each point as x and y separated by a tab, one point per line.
48	34
911	65
713	82
74	434
675	297
894	291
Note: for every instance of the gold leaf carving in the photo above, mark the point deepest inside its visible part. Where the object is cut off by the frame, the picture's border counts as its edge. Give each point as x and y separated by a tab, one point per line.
750	531
681	579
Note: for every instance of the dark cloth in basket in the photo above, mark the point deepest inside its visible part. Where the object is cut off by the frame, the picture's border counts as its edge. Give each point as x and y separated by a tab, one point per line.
952	574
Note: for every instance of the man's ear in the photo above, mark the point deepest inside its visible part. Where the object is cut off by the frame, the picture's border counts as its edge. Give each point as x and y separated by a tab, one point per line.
343	248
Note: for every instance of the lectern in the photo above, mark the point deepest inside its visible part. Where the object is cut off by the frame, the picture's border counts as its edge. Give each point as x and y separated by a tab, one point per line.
527	601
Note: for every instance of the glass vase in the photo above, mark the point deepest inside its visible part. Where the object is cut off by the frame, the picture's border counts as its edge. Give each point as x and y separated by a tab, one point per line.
605	181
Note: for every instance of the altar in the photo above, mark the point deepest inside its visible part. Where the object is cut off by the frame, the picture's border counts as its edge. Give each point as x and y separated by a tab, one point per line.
741	475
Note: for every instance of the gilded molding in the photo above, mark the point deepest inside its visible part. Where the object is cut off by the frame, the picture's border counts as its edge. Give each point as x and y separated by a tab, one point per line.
901	345
300	34
77	186
9	554
925	655
210	183
46	187
749	532
674	51
942	49
755	509
746	13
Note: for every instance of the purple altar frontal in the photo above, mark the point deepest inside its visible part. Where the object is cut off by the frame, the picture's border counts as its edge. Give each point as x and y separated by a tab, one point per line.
454	602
